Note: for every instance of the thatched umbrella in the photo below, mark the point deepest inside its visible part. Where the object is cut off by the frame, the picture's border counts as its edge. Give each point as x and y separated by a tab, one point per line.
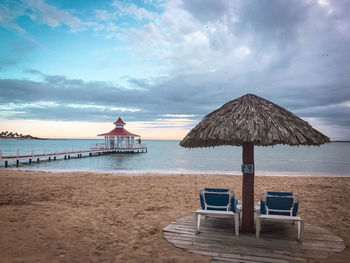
247	121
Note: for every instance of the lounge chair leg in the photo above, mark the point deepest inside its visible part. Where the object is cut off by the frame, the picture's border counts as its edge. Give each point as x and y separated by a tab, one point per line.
236	224
257	227
300	230
197	221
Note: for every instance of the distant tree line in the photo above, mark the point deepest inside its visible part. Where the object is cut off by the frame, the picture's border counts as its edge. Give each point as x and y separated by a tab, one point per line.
15	135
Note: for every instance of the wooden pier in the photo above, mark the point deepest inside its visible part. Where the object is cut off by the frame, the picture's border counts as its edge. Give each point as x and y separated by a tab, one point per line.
96	149
278	242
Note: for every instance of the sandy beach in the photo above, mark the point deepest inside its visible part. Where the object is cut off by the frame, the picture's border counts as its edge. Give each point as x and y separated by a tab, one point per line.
96	217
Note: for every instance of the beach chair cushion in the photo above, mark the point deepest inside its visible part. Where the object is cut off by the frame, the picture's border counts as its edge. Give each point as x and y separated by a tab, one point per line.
286	203
218	199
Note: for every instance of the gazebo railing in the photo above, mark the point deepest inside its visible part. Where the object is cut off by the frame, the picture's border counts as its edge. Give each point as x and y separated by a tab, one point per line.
98	146
103	146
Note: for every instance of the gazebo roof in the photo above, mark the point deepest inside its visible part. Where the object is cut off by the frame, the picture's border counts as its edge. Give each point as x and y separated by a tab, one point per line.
252	119
119	132
119	121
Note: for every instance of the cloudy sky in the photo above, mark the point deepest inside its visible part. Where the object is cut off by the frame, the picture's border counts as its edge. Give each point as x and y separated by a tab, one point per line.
70	68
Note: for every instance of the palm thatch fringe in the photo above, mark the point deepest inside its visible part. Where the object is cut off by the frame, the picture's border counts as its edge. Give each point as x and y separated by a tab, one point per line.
252	119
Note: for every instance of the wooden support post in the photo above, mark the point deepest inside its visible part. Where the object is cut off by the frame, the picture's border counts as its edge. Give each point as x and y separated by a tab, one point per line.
248	190
17	162
6	163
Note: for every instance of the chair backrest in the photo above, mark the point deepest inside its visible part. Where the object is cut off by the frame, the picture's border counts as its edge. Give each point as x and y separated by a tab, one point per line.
218	199
279	203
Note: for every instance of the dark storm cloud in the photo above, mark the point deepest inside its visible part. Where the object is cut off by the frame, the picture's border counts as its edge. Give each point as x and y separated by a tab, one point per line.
171	96
207	10
62	90
7	62
272	20
152	100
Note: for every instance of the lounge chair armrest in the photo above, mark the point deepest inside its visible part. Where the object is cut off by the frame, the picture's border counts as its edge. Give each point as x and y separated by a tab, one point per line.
257	209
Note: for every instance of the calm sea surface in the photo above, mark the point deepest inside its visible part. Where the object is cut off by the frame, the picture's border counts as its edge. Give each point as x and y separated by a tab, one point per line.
169	157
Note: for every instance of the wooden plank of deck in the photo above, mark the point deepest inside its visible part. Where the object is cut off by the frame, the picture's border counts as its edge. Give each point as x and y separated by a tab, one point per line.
277	244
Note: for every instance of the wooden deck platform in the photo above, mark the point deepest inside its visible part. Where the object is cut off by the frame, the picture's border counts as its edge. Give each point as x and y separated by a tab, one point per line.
277	243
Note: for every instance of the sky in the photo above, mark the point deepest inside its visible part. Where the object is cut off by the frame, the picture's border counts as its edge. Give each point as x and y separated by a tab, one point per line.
69	69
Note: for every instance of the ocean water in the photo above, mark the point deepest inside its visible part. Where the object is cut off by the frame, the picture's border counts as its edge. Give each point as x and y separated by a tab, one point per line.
169	157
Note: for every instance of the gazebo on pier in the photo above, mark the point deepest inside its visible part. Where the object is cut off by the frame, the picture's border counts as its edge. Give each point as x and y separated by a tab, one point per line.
121	140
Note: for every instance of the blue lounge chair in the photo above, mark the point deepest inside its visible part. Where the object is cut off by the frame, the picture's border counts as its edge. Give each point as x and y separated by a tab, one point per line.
281	206
218	203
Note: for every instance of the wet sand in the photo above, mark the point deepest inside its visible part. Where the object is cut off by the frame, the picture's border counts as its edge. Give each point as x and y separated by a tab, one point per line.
95	217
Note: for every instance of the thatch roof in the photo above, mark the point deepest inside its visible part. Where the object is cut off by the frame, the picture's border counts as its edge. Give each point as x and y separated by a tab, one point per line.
252	119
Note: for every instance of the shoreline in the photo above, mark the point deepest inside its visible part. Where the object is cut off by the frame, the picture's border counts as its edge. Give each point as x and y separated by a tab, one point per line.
22	139
172	172
107	217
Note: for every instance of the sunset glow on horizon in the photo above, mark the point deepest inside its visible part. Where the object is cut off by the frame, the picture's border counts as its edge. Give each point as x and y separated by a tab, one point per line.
89	130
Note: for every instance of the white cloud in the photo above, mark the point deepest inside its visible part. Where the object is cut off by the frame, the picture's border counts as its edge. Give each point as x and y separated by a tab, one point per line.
129	9
179	115
39	11
104	15
101	107
52	16
336	132
121	9
322	2
8	13
242	51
